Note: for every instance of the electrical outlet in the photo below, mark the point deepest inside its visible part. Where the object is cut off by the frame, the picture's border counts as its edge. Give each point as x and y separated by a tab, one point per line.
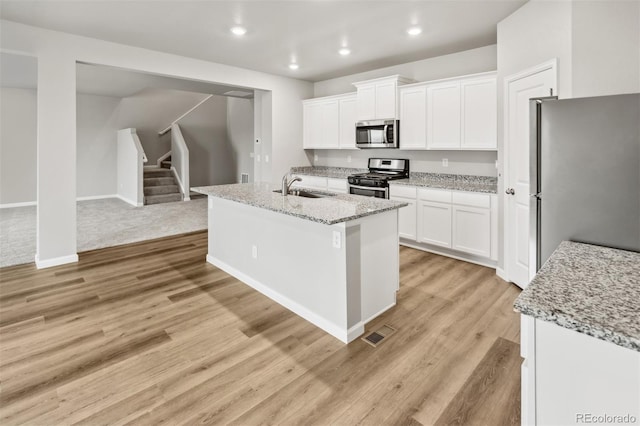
348	158
337	239
496	164
210	202
445	162
315	157
258	158
266	158
254	252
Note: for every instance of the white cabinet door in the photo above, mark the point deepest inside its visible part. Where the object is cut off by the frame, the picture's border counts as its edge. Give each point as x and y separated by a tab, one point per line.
472	230
330	125
312	119
413	118
366	102
407	218
479	114
434	223
348	122
386	100
443	116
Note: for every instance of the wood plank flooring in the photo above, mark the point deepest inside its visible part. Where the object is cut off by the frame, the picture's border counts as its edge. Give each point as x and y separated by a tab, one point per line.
149	333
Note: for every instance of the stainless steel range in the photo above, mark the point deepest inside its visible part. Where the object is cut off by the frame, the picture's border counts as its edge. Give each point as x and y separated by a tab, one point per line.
375	183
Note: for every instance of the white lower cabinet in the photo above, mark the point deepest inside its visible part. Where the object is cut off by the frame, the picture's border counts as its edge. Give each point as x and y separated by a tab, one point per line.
457	220
406	215
570	378
434	223
322	183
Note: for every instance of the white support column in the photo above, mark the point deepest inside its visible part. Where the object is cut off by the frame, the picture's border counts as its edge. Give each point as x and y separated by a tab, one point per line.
56	223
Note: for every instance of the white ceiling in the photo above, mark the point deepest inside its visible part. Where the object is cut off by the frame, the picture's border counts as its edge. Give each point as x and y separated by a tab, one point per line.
309	32
22	72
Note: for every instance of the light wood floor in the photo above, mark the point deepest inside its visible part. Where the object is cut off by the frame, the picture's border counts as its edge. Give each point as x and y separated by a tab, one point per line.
149	333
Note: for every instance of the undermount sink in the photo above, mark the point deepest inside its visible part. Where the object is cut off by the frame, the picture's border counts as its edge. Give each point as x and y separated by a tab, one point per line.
306	194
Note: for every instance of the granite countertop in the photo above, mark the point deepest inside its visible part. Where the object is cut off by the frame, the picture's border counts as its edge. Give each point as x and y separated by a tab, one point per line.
590	289
328	210
325	171
485	184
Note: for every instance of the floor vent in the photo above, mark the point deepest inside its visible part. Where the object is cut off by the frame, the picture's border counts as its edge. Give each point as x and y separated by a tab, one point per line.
377	337
244	178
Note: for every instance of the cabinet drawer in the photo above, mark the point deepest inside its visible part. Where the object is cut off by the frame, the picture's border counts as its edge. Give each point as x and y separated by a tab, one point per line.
337	185
471	199
402	191
437	195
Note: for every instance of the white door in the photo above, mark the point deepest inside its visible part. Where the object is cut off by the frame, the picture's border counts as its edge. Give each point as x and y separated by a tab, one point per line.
518	90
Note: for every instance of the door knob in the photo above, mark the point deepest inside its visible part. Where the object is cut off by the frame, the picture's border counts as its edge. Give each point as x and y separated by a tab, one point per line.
510	191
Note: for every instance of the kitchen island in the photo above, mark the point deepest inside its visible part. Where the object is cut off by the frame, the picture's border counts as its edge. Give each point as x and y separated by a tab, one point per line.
332	260
581	338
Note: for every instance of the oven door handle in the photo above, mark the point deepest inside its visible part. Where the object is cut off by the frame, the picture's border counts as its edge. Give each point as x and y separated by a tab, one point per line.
368	188
384	133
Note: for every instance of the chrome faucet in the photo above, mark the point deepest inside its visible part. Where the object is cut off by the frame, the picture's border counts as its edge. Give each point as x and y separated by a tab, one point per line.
286	183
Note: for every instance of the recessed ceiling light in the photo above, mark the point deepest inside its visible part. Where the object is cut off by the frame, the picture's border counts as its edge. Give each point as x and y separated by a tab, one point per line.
344	51
293	66
414	31
239	31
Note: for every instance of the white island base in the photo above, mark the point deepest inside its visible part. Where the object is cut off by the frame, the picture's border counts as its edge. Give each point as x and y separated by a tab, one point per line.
337	276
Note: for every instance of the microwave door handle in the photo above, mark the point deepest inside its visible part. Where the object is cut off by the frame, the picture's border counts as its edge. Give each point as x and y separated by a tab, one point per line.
384	134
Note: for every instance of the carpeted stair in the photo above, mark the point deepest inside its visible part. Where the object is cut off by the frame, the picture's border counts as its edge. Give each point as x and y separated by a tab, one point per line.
160	186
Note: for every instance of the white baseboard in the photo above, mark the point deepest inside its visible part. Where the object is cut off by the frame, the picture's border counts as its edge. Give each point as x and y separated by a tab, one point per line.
467	258
34	203
128	201
12	205
342	334
502	274
97	197
40	264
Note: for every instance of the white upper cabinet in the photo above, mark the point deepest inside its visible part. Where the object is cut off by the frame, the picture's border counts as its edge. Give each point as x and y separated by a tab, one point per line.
479	114
377	99
329	123
443	116
461	114
413	117
348	122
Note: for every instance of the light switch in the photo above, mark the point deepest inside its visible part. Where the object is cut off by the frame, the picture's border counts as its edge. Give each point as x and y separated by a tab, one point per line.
315	157
254	252
348	158
445	162
266	158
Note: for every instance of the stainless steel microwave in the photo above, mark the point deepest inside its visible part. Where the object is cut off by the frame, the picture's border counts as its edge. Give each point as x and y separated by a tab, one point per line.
377	134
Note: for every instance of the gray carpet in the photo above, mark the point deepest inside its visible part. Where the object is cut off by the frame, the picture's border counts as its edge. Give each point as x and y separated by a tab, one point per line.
101	223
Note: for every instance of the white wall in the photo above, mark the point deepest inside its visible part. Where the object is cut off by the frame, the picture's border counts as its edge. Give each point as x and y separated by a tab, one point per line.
17	145
240	135
57	54
151	111
605	47
461	63
211	160
129	167
597	44
460	162
97	118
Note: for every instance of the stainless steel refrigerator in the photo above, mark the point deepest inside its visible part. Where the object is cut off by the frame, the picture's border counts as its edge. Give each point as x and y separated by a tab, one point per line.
585	172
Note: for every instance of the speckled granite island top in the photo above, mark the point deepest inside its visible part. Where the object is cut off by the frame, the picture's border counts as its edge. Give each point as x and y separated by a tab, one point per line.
326	171
327	210
590	289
